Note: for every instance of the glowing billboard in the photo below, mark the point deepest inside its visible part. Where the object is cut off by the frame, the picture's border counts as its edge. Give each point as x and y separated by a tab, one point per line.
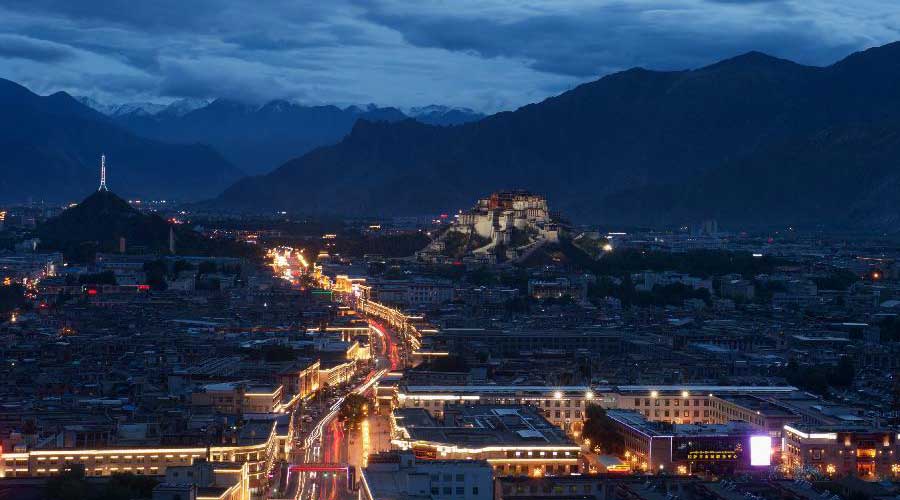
760	451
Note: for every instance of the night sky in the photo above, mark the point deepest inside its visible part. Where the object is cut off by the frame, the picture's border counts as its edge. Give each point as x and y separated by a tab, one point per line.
485	54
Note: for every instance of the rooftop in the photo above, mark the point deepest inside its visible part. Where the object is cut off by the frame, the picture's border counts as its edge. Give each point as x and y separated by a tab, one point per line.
472	426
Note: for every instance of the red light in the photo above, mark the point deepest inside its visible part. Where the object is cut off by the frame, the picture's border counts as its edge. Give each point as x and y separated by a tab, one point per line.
457	263
143	288
92	291
444	216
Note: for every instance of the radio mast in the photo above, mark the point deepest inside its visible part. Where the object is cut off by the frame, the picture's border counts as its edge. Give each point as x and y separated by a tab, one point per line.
103	173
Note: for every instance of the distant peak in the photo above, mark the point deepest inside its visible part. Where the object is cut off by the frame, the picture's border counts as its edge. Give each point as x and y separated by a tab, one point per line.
885	54
752	59
277	105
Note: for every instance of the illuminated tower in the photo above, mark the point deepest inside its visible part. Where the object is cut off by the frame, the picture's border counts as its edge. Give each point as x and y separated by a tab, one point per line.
103	173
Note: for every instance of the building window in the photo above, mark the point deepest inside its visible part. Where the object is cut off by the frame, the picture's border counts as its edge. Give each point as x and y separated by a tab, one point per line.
460	477
474	490
460	490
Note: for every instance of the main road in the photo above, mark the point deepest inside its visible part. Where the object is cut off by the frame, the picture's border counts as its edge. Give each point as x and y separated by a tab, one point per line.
323	441
328	443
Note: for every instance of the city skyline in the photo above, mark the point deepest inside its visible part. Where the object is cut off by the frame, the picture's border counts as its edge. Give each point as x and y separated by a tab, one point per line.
678	281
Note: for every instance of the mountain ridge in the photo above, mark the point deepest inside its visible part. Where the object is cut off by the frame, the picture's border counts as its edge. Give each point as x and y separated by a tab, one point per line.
57	138
622	133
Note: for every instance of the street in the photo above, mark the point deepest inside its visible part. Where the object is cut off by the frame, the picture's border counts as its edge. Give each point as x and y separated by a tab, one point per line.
319	469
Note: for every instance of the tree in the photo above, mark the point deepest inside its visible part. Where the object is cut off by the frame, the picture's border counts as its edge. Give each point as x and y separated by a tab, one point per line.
354	410
602	433
102	278
125	486
155	270
843	374
11	297
181	265
68	485
206	267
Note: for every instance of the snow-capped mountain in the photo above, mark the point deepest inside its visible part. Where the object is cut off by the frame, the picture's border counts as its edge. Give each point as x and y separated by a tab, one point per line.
436	114
184	106
145	108
175	108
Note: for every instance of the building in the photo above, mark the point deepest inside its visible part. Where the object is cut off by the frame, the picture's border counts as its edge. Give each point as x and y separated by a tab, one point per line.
300	380
846	450
236	398
517	221
690	448
596	487
739	289
558	288
417	293
205	481
255	445
562	406
527	342
696	404
513	439
396	475
565	406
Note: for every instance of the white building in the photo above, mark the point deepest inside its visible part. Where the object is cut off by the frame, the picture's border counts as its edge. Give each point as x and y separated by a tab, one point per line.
397	474
518	221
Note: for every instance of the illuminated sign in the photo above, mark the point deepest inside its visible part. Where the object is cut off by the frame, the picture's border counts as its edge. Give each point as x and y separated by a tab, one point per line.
424	453
712	456
760	451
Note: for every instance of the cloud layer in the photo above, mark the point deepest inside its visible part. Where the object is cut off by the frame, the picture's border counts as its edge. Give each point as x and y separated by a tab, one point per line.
485	54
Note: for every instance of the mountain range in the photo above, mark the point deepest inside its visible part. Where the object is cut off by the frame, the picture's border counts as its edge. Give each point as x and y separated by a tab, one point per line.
752	140
259	138
51	147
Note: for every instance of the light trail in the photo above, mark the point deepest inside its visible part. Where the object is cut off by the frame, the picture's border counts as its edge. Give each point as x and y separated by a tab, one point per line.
390	348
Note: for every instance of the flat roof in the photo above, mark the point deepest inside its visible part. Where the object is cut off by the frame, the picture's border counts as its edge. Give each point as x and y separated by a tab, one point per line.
763	406
474	426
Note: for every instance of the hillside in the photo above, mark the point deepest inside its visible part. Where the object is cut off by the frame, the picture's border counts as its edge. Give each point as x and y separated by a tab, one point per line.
100	220
623	133
259	138
845	176
50	149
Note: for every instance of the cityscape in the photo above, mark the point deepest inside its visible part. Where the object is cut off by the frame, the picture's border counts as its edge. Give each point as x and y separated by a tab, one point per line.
641	284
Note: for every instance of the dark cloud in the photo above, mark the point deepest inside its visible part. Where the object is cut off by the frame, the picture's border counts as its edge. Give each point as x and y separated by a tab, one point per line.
20	47
591	40
484	54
